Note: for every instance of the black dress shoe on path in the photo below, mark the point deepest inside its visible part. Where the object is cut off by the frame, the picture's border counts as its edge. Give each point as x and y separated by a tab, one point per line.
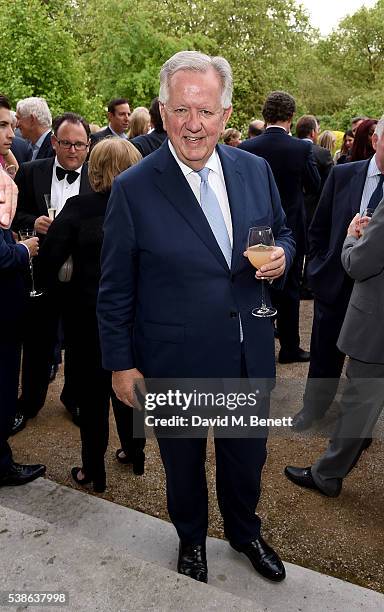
263	558
99	484
18	474
192	561
137	460
298	356
303	478
19	423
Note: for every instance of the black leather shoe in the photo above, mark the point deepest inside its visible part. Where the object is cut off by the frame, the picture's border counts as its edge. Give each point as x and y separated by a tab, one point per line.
302	420
192	561
298	356
53	371
19	474
137	459
263	558
99	484
303	478
19	423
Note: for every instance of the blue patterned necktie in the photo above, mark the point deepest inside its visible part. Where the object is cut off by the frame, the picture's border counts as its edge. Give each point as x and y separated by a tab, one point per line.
377	195
212	210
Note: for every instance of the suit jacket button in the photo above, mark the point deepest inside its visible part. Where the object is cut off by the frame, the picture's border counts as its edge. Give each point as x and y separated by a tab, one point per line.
233	314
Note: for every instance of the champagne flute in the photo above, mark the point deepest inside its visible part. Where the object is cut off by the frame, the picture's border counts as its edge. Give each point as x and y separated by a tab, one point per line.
24	234
52	210
259	248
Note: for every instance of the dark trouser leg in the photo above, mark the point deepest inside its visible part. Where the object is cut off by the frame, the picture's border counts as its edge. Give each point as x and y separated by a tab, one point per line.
38	347
9	381
287	302
361	405
187	495
130	427
327	361
239	463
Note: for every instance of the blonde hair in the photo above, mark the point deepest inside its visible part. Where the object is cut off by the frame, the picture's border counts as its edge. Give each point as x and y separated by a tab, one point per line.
140	121
327	139
231	134
108	158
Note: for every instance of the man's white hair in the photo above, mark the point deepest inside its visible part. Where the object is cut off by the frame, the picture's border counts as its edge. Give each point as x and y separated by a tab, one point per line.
197	62
37	107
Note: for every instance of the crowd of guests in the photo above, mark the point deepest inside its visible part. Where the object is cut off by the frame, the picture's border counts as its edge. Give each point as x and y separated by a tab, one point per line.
64	175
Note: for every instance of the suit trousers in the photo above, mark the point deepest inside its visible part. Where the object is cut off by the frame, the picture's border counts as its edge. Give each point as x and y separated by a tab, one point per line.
361	405
287	302
327	361
94	394
9	381
239	463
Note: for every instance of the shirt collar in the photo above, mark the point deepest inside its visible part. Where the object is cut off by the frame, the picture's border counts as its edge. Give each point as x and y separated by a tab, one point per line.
40	140
122	135
372	168
56	164
213	162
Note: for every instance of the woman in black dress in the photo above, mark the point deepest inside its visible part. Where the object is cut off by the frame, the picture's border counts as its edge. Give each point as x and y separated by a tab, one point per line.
78	232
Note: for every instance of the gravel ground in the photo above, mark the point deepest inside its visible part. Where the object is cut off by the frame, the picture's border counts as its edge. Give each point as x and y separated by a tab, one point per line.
343	537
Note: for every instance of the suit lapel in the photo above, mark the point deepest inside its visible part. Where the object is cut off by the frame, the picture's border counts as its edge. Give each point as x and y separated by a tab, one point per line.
85	187
43	183
236	196
357	187
172	183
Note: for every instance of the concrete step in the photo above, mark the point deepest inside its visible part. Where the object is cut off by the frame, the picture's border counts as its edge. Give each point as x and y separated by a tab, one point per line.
155	541
37	556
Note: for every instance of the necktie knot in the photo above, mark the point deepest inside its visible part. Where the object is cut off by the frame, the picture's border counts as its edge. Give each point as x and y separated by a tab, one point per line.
71	174
203	174
377	195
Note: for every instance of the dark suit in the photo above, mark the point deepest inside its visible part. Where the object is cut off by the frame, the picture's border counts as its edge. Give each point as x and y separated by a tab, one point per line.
46	149
169	306
147	143
331	286
324	164
362	339
294	170
13	268
34	179
22	150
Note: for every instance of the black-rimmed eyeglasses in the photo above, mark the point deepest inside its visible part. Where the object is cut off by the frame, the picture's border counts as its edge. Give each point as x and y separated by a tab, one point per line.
79	146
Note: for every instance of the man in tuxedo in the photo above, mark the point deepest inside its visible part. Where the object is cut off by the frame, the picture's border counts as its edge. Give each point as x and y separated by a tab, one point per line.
119	114
34	120
350	189
362	339
61	177
176	294
147	143
14	261
294	170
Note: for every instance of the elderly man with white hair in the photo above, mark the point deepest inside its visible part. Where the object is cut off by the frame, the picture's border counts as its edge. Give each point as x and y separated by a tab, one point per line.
34	120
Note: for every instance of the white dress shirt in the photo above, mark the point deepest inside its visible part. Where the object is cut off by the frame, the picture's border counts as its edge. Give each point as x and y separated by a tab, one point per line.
371	182
62	190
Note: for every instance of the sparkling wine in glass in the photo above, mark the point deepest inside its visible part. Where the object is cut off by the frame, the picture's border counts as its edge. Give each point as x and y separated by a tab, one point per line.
52	210
259	248
24	234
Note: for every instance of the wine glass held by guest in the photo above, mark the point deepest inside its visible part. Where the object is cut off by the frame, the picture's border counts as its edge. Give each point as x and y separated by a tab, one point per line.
77	231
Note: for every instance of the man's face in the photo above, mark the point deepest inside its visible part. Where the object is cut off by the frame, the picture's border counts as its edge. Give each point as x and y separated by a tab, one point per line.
71	133
378	145
25	124
6	132
120	119
193	116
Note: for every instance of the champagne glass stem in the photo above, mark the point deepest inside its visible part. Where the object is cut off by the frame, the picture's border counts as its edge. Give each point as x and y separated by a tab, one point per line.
32	277
263	304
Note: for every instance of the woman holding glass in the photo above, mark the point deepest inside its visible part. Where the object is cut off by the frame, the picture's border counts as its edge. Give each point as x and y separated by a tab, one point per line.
77	232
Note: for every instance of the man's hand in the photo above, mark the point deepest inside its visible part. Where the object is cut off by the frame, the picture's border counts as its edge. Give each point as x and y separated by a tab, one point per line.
275	268
123	384
8	199
33	245
355	226
42	224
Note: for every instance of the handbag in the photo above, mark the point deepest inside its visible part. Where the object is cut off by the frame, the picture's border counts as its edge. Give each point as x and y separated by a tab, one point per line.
66	270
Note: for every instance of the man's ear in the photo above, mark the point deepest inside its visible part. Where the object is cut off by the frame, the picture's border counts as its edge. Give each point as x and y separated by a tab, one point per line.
226	116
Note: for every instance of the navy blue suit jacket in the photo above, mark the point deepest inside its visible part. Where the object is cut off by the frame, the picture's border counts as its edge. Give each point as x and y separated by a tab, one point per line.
339	202
168	303
46	149
22	150
13	266
294	169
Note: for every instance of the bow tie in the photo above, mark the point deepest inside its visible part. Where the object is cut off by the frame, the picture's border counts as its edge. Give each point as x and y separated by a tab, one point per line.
71	174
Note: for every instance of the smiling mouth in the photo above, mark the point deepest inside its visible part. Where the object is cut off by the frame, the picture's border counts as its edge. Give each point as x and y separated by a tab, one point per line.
193	138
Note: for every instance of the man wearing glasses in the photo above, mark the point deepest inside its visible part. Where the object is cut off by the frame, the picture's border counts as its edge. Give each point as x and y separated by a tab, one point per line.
61	177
